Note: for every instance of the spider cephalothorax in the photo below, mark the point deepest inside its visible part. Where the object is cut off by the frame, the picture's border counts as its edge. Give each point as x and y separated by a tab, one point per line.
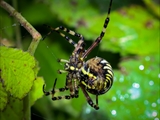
94	76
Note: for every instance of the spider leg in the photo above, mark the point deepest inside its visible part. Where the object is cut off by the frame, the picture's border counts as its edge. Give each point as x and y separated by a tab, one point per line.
98	40
67	86
89	100
63	35
51	92
63	60
76	88
62	71
67	38
96	100
71	32
55	91
66	64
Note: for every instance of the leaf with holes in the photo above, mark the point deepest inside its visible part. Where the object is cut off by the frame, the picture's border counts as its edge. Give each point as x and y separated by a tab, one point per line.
17	71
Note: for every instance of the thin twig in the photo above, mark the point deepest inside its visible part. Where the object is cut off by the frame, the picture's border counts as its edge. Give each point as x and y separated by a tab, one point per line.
36	38
35	34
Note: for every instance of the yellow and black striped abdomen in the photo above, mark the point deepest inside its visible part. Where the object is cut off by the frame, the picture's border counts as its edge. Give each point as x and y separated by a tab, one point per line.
97	76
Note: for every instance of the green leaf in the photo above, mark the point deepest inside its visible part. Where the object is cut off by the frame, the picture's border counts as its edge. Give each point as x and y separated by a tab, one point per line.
36	91
129	29
17	71
3	97
133	89
13	111
132	33
79	8
153	5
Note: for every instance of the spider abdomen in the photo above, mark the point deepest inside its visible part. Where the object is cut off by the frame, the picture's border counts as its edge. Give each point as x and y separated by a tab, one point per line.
97	76
94	76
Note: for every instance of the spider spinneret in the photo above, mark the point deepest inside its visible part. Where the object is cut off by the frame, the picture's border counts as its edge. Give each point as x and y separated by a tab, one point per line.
94	76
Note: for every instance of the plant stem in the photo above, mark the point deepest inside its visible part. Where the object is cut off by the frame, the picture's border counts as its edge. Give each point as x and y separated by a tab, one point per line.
35	34
26	107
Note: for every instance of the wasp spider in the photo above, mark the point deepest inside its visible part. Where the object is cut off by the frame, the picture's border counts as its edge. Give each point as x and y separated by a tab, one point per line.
94	76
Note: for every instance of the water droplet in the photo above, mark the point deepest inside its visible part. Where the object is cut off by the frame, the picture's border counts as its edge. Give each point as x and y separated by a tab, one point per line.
135	85
146	102
148	71
114	98
147	58
14	24
151	82
141	67
156	119
154	104
158	75
151	114
121	79
134	91
121	98
113	112
118	92
126	96
158	101
115	78
154	113
88	110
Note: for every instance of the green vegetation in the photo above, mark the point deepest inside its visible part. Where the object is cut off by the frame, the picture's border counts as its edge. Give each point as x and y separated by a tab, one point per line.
131	45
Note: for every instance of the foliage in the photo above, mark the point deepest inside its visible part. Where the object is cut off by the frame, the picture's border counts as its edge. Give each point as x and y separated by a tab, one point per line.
18	77
131	45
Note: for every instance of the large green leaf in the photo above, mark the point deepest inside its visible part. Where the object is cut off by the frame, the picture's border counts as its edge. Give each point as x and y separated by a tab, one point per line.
131	30
14	110
36	91
16	71
134	31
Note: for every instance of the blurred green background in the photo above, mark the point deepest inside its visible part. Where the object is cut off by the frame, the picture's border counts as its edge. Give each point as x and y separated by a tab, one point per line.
131	45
